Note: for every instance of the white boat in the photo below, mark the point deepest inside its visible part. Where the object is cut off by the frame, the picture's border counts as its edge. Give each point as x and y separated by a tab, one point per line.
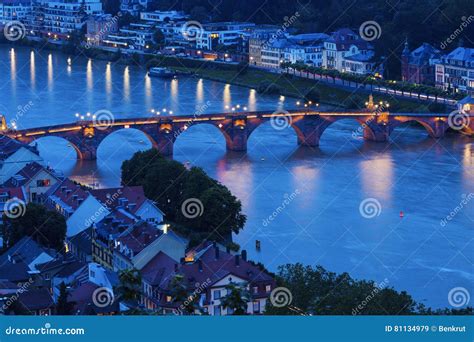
161	72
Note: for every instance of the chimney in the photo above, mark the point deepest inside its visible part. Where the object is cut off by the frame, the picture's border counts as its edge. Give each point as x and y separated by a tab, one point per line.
244	255
216	249
237	260
200	265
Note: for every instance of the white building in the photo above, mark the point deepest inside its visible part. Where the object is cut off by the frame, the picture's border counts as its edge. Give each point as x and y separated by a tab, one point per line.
136	36
455	71
14	156
346	51
35	179
58	19
11	10
163	16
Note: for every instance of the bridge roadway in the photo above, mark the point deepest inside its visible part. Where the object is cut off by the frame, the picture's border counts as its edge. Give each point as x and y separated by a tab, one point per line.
162	131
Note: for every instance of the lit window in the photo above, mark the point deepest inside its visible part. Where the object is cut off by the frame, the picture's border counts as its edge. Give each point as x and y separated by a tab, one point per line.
268	288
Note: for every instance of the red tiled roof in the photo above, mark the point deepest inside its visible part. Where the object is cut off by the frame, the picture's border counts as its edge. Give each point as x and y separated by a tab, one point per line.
12	192
113	197
215	269
27	172
69	192
140	237
159	270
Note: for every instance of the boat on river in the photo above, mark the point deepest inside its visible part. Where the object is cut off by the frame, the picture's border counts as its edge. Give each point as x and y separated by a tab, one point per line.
161	72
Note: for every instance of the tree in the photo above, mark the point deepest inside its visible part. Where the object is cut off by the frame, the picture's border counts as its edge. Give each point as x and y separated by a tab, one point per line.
180	295
63	306
237	298
170	185
158	37
320	292
130	283
223	212
46	227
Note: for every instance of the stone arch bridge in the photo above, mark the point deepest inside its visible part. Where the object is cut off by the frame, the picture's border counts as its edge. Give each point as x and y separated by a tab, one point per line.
86	136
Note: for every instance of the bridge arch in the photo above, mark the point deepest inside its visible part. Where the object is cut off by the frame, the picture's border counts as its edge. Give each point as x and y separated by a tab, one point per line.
279	128
134	138
191	128
42	142
365	128
429	126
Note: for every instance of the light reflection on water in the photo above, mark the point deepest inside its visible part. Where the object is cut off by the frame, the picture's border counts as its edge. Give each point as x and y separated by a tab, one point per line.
322	225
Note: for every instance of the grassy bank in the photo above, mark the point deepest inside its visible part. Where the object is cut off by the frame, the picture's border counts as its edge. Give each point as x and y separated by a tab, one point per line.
289	85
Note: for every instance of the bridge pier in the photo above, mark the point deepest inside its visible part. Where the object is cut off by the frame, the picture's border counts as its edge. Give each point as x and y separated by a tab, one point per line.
439	128
309	130
236	134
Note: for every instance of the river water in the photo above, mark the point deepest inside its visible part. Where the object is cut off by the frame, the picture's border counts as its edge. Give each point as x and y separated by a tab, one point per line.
303	204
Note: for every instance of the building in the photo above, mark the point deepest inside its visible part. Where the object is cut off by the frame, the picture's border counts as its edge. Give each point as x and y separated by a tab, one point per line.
133	200
59	19
9	194
76	204
35	179
455	71
260	36
80	245
417	65
105	233
12	10
99	27
136	36
134	7
14	156
342	45
206	276
273	53
143	242
224	34
163	16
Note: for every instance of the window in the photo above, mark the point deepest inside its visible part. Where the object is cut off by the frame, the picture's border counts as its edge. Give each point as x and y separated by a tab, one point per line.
43	182
256	306
268	288
217	311
217	294
168	299
255	289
